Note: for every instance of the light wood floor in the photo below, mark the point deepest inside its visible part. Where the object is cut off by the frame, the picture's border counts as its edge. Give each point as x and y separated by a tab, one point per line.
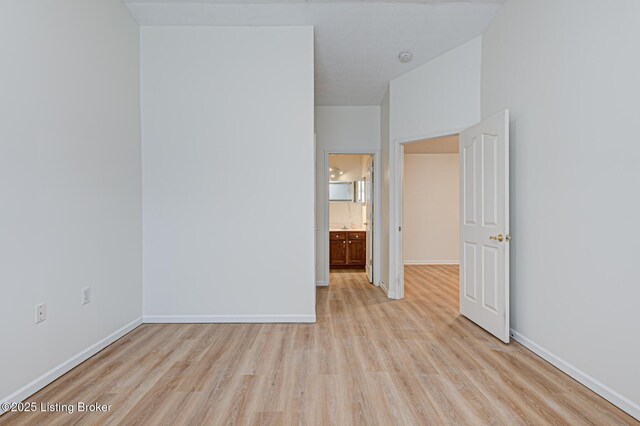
368	360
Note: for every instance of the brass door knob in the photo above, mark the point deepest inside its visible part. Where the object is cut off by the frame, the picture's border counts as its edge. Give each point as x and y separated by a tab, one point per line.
500	238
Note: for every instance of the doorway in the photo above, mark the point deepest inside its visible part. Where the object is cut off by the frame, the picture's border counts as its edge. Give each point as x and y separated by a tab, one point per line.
351	209
430	219
483	220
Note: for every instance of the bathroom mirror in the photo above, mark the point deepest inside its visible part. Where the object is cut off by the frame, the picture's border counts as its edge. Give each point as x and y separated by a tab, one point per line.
340	191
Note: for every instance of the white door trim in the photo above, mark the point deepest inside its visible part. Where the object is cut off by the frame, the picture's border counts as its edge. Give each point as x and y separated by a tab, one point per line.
376	206
396	264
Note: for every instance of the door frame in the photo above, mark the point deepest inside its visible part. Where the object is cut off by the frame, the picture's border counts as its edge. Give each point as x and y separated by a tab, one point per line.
395	224
376	206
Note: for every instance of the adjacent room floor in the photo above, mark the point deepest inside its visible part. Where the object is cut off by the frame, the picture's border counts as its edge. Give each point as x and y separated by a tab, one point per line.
368	360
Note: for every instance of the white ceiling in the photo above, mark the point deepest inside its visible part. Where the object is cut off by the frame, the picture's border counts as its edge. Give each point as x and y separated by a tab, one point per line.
444	145
356	42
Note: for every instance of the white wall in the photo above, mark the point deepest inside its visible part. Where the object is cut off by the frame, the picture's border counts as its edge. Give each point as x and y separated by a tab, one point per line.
573	93
440	97
344	213
70	184
431	209
339	129
345	127
437	99
227	118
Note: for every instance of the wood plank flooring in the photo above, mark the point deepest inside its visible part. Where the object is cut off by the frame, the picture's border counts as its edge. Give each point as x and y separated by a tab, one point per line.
368	360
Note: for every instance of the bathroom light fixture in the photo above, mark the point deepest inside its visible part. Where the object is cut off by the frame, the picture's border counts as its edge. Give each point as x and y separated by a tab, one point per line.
405	56
335	172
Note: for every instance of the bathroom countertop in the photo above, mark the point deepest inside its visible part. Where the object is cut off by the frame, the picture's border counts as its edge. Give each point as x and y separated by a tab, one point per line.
347	230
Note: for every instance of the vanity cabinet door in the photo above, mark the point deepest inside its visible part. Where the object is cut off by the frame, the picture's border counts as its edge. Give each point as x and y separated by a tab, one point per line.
356	251
337	250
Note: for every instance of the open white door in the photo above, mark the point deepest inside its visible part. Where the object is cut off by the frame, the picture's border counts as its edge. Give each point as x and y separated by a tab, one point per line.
484	228
368	185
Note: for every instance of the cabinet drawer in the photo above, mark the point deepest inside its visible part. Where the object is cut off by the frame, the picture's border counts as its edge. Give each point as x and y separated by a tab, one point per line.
357	235
337	235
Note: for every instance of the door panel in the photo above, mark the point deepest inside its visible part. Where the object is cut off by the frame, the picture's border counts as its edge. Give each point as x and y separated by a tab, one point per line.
490	280
470	261
469	179
369	224
489	180
484	257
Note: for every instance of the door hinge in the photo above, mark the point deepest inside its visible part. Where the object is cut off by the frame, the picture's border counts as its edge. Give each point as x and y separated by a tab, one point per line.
399	228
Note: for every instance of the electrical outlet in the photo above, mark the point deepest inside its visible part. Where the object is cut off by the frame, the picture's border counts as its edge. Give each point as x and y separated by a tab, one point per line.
41	312
86	295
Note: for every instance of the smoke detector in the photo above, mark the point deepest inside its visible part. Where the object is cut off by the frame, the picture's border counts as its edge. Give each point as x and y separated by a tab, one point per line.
405	56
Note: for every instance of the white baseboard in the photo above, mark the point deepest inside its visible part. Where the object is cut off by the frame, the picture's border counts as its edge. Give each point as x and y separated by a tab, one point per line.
48	377
390	294
431	262
186	319
604	391
322	284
